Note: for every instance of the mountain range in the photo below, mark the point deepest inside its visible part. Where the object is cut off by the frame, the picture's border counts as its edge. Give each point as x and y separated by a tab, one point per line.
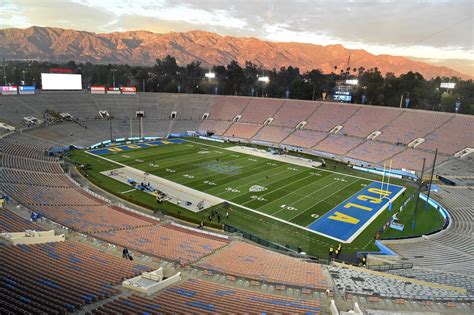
143	47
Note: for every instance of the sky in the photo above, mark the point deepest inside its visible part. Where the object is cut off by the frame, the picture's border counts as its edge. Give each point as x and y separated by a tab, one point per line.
440	32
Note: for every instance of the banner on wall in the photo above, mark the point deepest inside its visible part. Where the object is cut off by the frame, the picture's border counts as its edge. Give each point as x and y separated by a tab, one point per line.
112	90
129	90
97	89
10	90
27	89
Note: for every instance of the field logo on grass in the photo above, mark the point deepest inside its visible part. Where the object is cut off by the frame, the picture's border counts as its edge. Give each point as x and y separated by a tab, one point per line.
257	188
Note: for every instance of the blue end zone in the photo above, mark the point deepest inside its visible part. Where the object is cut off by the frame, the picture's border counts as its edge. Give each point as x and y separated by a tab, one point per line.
134	146
349	218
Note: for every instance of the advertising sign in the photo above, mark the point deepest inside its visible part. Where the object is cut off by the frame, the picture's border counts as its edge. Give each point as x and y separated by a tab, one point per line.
129	90
10	90
112	90
27	89
97	89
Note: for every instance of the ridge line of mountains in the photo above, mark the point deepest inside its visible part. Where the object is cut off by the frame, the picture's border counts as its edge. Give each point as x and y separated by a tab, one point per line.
143	47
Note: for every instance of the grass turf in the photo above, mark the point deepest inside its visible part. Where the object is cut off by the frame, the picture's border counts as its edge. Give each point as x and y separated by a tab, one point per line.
293	193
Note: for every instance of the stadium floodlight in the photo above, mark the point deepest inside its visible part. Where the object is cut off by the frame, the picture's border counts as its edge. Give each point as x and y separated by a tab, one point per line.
447	85
264	79
210	75
352	82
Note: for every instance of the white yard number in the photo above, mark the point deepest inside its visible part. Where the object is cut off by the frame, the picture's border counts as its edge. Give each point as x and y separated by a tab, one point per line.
188	176
232	190
287	207
340	179
254	197
314	174
209	183
169	170
271	164
253	160
292	169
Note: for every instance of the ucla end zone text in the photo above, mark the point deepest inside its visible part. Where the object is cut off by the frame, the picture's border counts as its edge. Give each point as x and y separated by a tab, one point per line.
348	219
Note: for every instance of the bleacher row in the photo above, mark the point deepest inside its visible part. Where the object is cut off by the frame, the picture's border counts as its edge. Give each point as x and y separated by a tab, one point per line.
398	127
55	278
199	296
358	281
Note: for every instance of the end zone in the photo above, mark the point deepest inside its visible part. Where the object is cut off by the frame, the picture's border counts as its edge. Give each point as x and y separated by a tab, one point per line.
348	219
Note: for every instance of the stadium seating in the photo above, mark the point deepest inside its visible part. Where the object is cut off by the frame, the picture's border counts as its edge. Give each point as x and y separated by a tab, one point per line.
338	144
359	281
294	112
249	261
10	222
166	241
242	130
55	278
198	296
227	107
452	136
218	127
413	159
273	134
368	119
258	110
374	152
304	138
412	124
327	116
452	279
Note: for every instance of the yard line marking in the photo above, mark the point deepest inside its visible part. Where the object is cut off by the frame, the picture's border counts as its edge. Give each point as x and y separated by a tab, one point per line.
324	187
272	191
253	181
323	200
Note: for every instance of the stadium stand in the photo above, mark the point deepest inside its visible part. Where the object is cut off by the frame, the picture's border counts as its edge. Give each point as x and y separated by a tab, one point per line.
327	116
412	124
413	159
337	144
198	296
304	138
273	134
227	107
359	281
217	127
258	110
166	241
10	222
242	130
54	278
368	119
38	182
294	112
449	278
374	152
450	250
249	261
452	136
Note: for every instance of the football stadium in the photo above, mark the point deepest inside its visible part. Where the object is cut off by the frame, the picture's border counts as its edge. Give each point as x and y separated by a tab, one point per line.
129	197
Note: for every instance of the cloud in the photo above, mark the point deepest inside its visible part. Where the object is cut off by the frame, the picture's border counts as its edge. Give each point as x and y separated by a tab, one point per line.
441	29
60	13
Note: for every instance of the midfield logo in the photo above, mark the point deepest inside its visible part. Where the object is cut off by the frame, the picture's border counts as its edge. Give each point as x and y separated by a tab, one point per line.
257	188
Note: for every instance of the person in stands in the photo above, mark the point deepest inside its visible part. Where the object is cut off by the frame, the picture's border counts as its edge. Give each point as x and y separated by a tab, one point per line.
125	252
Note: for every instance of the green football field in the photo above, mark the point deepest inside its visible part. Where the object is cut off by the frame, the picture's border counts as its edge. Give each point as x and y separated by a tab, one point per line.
289	192
276	199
